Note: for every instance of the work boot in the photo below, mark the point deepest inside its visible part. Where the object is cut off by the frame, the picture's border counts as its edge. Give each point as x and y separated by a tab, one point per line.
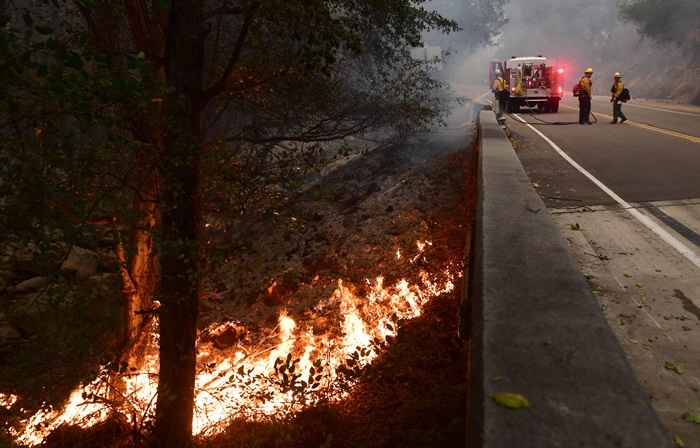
623	120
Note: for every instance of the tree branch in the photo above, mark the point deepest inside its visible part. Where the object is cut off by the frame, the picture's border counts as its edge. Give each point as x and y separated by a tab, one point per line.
220	85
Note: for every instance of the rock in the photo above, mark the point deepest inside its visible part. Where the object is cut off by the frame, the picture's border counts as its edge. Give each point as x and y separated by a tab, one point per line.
82	261
31	285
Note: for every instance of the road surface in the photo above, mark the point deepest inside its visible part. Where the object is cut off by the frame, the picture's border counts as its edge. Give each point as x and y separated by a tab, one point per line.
627	199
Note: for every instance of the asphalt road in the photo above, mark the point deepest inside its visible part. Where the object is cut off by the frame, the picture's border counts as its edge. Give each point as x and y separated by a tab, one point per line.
627	198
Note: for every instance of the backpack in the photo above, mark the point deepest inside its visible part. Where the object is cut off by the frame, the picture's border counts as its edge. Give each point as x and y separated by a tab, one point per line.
625	95
577	89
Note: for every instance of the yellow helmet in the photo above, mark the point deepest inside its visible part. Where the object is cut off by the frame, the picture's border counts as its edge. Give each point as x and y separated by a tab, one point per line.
618	75
589	70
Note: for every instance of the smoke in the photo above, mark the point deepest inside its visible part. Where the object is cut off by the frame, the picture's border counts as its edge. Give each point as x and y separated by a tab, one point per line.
580	34
591	33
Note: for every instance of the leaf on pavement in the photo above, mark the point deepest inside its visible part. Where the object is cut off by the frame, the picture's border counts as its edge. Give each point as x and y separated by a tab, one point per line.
691	418
510	400
678	442
674	368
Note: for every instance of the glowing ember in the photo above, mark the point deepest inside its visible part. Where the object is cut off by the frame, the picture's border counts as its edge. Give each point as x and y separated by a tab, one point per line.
297	364
8	400
421	248
272	287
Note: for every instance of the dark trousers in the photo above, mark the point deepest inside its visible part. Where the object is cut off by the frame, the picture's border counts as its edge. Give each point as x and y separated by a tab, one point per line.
502	105
617	111
584	109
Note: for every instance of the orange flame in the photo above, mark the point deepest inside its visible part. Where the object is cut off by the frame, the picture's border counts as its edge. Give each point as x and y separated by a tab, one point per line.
8	400
291	368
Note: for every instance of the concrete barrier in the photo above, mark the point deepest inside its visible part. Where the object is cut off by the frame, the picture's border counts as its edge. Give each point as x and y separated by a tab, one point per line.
537	330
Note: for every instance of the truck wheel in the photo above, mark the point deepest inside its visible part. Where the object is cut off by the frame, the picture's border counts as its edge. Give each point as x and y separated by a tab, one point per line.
554	107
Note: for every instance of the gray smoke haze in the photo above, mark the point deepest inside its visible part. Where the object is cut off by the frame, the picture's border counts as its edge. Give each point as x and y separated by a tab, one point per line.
584	33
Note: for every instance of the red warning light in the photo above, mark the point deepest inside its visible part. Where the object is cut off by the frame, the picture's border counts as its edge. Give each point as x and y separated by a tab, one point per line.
560	71
560	90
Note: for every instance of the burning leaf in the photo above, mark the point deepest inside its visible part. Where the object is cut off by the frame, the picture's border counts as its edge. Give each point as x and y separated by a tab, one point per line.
511	400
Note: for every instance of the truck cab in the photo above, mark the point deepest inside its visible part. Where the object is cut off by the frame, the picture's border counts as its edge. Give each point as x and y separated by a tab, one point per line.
532	82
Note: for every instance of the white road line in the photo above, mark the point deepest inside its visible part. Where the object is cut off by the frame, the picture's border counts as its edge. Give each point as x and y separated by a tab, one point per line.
642	218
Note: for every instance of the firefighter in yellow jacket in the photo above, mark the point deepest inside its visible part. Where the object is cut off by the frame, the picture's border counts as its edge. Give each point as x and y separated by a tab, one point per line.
500	91
616	98
584	97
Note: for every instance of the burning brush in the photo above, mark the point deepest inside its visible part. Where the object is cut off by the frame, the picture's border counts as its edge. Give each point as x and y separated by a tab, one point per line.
263	374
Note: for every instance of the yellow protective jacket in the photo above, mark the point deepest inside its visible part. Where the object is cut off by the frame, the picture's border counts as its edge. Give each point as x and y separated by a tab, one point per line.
499	85
617	89
586	85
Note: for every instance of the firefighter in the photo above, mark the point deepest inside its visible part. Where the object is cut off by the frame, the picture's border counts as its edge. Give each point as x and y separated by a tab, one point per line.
584	97
616	92
500	91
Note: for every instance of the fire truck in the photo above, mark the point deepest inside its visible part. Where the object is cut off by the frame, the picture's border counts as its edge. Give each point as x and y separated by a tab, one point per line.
532	82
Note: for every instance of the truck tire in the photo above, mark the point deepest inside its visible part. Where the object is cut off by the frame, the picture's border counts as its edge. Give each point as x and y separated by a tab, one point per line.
554	107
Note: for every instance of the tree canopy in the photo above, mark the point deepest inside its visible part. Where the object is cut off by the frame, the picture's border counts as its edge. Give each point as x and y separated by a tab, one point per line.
666	21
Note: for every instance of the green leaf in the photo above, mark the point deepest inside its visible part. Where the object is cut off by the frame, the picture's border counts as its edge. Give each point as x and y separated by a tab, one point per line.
691	418
511	400
678	442
674	368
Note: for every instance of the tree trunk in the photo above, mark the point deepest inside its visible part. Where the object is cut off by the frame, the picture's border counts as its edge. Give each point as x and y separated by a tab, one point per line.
182	222
140	272
179	307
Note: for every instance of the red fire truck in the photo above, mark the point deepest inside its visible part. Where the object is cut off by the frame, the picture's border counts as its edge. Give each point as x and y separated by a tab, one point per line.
532	82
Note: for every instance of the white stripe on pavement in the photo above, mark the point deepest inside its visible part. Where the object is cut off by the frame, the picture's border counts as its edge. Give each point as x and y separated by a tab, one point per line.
642	218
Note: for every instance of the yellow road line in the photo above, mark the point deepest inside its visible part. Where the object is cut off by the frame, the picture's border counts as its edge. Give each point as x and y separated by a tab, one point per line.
661	109
648	127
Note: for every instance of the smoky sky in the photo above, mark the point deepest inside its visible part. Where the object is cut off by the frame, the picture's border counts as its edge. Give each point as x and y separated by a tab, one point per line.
579	33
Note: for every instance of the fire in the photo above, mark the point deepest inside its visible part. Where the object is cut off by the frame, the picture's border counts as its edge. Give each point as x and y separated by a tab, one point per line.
8	400
296	364
421	245
272	287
